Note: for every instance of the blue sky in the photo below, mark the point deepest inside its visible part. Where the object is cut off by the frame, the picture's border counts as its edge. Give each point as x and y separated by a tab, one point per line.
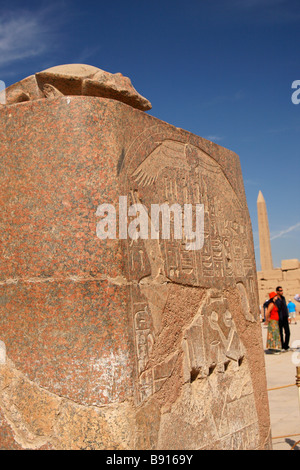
222	70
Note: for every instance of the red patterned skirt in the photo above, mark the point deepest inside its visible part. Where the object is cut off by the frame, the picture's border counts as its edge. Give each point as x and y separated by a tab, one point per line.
273	337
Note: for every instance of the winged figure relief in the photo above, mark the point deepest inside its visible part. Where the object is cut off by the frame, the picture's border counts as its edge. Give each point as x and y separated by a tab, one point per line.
168	154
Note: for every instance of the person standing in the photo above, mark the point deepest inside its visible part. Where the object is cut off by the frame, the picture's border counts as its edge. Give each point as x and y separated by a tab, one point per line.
292	311
283	313
265	306
272	321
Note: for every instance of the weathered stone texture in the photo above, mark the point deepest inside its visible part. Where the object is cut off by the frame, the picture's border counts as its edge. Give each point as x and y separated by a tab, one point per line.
122	344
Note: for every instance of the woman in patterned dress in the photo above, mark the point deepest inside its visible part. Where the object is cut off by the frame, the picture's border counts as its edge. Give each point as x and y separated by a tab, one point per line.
272	320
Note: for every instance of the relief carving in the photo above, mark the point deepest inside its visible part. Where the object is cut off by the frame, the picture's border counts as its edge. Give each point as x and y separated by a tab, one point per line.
212	340
179	172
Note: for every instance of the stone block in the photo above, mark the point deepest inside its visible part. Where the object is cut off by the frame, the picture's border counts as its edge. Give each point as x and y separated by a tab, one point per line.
292	275
292	285
271	275
125	336
287	264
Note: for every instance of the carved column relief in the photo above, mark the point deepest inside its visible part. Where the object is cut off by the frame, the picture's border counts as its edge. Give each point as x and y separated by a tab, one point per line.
212	340
162	170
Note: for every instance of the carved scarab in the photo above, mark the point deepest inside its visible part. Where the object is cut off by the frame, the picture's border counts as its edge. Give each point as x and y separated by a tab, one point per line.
76	79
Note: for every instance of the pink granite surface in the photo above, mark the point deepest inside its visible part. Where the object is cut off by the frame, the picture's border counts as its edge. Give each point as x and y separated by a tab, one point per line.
85	319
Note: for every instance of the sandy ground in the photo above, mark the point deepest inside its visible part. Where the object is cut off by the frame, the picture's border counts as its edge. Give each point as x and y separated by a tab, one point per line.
284	403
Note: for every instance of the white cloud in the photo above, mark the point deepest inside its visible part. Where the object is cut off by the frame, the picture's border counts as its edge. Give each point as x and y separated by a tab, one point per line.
284	232
277	235
214	138
220	100
83	56
251	182
26	34
19	39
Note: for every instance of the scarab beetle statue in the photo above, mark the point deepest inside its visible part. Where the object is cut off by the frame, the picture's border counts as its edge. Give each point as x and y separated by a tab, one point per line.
76	79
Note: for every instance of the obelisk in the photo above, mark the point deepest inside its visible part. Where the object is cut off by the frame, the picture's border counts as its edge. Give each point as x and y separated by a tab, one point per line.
264	234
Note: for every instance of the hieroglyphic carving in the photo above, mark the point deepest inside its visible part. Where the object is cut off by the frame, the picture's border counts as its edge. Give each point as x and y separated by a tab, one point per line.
212	339
168	153
143	344
151	377
178	172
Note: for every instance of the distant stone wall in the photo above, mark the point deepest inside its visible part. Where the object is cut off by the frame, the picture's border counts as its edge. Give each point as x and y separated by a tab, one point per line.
288	276
123	343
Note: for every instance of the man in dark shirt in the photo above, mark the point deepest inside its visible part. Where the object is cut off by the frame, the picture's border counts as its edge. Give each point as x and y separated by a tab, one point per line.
283	318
